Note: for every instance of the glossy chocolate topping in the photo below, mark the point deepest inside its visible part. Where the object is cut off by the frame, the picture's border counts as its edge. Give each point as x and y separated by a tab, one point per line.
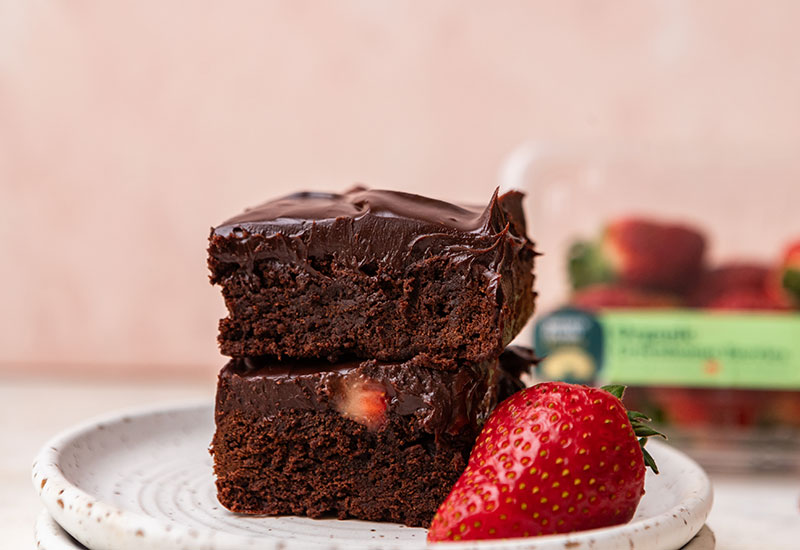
298	209
517	360
365	225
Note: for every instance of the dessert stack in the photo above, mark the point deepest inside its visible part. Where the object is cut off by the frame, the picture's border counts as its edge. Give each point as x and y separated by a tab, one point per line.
367	333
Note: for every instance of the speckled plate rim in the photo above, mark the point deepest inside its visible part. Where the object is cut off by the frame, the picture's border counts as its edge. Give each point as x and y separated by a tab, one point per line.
49	535
124	529
667	531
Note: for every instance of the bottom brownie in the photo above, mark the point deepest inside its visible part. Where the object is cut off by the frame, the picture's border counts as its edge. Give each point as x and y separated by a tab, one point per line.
368	440
320	463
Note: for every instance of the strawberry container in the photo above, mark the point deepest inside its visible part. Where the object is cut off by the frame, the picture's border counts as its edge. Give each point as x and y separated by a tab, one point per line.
667	269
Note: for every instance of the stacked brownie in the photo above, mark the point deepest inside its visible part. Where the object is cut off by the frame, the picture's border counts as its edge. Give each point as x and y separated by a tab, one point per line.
367	332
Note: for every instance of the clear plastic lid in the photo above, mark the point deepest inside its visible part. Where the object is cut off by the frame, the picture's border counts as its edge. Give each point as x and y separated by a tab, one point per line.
746	200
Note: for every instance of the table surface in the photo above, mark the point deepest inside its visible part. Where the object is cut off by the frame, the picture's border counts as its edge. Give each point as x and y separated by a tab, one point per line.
749	512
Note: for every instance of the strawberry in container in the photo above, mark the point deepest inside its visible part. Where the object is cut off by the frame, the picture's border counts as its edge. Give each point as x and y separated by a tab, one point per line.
736	286
790	272
784	281
599	296
640	253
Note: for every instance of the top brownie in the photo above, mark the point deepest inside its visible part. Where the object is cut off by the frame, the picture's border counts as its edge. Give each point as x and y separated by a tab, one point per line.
374	274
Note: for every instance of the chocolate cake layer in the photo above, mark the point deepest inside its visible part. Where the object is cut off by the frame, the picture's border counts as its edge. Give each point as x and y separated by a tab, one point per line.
374	274
369	392
369	440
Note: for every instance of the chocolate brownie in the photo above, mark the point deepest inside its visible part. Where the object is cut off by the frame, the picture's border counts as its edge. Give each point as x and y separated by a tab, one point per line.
362	439
374	274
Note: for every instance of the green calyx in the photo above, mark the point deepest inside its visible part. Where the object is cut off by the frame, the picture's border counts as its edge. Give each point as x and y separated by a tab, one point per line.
587	265
791	282
640	429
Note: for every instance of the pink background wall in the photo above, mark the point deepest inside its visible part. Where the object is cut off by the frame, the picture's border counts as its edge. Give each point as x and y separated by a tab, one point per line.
128	128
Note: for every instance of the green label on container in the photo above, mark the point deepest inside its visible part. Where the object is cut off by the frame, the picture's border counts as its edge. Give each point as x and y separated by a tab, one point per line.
701	349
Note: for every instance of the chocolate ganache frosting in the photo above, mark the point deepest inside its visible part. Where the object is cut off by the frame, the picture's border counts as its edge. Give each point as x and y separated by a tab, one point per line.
371	227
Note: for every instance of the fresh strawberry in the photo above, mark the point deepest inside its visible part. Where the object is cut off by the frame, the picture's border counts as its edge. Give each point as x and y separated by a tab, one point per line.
746	299
736	286
712	407
642	253
684	406
602	296
725	279
789	273
553	458
785	408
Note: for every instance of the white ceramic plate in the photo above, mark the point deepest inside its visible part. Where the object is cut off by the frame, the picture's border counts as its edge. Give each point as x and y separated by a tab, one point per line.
144	479
49	535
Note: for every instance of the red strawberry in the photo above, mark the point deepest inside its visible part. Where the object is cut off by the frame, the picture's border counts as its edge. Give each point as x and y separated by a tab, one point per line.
786	282
712	407
614	296
684	406
785	408
746	299
553	458
641	253
727	278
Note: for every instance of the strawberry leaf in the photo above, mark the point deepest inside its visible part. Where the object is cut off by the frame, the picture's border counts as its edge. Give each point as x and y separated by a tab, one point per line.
791	281
634	416
642	430
648	458
588	265
615	389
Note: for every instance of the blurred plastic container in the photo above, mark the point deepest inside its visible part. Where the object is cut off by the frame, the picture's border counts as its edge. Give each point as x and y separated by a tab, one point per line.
725	384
